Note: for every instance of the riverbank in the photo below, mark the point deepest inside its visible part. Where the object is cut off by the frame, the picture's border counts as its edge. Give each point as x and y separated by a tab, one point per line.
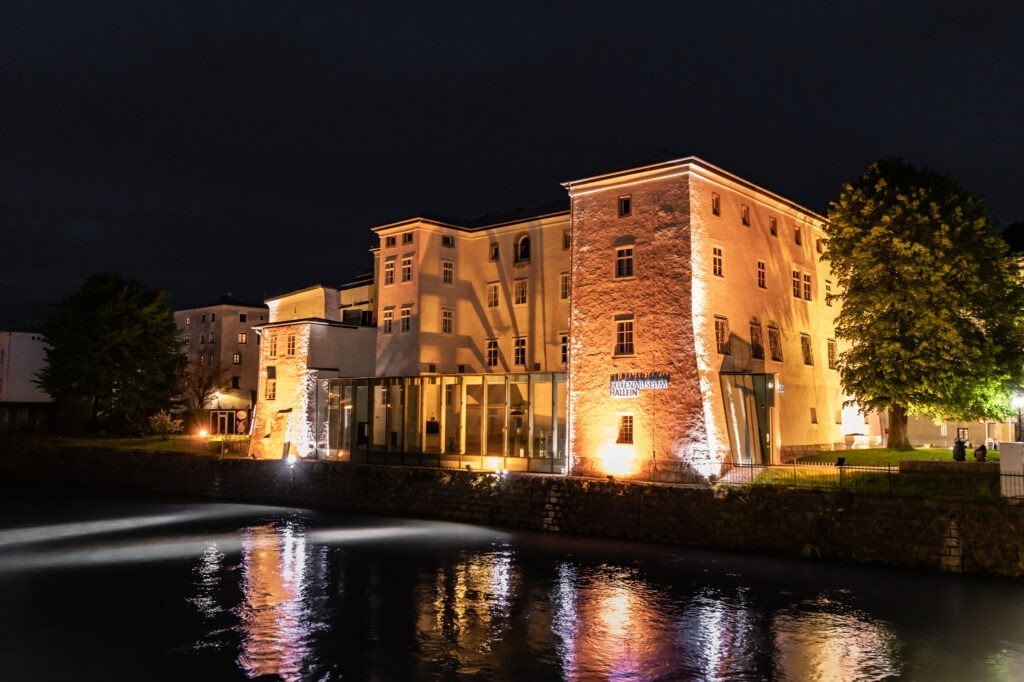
978	537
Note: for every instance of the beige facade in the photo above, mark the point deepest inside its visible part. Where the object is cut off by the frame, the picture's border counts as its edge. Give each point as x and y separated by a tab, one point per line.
723	301
479	299
303	342
221	338
687	306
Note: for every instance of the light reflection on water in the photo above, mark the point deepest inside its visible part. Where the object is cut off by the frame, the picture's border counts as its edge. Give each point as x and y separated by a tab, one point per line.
296	595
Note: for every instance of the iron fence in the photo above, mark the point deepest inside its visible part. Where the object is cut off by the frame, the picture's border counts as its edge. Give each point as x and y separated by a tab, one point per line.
813	475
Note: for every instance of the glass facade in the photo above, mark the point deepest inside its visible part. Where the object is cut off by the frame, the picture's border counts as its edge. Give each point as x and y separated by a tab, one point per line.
487	421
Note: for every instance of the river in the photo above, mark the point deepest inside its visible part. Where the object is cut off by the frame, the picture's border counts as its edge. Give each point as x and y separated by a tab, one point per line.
104	586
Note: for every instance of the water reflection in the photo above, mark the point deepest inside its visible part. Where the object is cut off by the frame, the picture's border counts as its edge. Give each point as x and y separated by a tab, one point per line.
465	610
828	640
274	618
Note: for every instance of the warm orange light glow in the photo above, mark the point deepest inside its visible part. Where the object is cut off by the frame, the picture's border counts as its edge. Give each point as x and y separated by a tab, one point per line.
203	433
493	463
618	459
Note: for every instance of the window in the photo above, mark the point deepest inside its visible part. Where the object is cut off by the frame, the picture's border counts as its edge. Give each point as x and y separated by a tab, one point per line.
271	390
828	293
796	284
625	206
188	320
447	272
625	429
203	320
406	268
272	346
492	295
493	252
519	292
797	236
833	354
202	339
762	275
202	359
519	350
807	287
242	337
716	204
773	226
563	286
819	246
212	336
407	238
387	320
390	241
447	321
566	240
405	319
624	262
492	353
242	317
745	215
522	252
624	335
235	382
716	261
805	346
756	341
236	359
814	415
213	317
389	271
187	338
775	343
722	335
290	347
563	344
448	241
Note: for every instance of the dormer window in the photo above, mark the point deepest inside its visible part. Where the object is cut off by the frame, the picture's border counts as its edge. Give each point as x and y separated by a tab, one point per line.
522	253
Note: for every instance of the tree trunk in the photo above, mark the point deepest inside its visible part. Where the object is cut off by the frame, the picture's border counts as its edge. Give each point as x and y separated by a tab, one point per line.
898	438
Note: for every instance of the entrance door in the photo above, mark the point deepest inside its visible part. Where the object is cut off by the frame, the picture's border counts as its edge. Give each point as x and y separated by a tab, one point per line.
749	399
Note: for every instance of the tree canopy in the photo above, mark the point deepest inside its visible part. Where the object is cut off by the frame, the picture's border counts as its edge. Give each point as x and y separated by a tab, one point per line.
931	302
113	354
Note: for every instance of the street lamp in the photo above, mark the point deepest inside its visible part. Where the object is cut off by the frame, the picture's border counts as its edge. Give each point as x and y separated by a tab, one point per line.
1018	402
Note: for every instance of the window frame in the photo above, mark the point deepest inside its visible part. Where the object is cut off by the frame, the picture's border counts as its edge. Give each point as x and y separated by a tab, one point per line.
520	291
448	272
723	340
624	265
406	269
625	335
447	321
564	286
775	343
626	430
756	340
807	349
493	294
762	274
717	261
625	205
491	352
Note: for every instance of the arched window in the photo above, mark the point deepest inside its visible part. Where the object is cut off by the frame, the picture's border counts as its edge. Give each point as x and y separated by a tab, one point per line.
522	254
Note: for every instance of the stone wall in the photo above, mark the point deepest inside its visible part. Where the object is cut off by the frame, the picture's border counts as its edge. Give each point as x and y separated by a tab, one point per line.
983	538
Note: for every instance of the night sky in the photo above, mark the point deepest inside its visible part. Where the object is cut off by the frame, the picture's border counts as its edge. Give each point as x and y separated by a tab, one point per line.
248	147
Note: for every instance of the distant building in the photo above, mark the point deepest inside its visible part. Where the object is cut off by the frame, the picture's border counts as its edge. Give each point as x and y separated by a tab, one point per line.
221	343
23	404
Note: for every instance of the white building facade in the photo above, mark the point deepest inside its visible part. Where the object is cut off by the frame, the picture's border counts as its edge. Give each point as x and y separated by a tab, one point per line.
23	404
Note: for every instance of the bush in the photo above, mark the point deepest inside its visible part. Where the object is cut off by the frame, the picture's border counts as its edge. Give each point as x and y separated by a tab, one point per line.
163	424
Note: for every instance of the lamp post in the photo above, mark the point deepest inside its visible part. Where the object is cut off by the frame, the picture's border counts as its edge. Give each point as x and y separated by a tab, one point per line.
1018	402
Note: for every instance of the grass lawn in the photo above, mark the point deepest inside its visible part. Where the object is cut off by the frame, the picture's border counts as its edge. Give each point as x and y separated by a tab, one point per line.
967	486
181	443
885	456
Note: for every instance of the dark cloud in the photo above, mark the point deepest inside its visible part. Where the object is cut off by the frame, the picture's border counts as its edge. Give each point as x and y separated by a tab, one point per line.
249	146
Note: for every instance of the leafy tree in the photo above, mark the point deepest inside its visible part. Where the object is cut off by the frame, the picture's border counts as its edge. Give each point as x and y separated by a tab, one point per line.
198	383
113	354
931	303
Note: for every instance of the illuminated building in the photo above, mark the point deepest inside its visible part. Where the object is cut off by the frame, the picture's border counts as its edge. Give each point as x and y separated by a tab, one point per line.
675	320
220	343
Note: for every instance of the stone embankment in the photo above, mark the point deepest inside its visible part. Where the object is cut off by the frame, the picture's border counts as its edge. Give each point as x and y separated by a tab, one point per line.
956	536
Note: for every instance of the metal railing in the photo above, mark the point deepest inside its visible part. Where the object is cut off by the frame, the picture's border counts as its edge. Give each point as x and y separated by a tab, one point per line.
813	475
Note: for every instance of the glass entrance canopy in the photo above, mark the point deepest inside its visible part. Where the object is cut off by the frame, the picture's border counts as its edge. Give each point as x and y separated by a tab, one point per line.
490	421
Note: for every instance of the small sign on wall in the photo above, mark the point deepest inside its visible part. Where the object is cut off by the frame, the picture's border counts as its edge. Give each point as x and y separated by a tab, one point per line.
629	385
